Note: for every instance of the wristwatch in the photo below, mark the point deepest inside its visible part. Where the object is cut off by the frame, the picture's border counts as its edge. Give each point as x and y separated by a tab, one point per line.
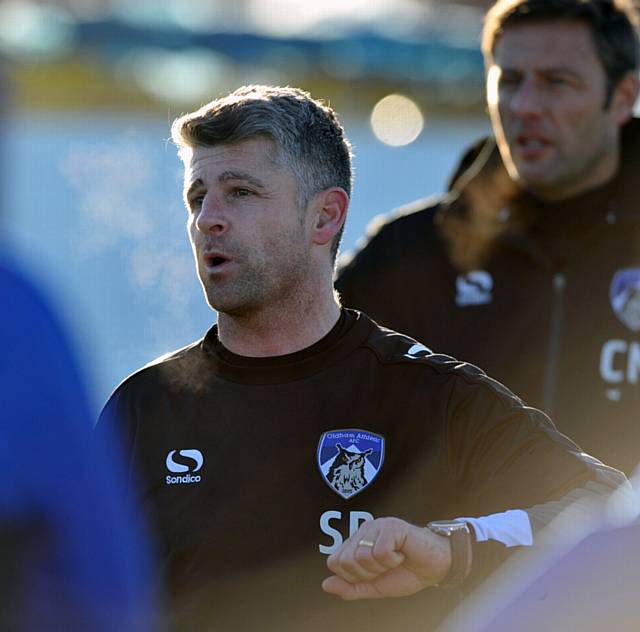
459	536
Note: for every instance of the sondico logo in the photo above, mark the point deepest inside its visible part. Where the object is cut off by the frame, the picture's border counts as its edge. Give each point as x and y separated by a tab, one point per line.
474	288
417	351
186	462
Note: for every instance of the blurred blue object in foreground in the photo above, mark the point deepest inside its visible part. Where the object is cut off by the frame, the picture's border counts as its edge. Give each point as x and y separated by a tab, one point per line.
74	554
595	587
585	577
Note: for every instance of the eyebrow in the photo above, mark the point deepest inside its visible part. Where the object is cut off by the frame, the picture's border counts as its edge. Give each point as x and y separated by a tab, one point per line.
237	175
543	71
224	177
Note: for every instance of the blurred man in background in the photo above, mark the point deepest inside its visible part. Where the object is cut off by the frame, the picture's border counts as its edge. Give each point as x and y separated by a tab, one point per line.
530	265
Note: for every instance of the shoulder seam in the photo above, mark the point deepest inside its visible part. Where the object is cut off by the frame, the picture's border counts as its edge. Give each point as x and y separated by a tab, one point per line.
478	377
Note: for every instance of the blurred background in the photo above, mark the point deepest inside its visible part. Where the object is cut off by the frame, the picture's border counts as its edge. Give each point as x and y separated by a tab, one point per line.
91	185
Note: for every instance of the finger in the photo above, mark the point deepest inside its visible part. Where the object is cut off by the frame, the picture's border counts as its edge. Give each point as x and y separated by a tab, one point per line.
367	558
349	592
368	553
388	549
345	564
389	559
341	556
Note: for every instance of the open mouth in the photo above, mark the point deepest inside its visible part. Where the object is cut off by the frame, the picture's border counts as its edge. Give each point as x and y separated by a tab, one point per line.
532	142
215	260
532	146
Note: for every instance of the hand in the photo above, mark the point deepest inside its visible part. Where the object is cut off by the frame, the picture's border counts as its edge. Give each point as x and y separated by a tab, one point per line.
403	560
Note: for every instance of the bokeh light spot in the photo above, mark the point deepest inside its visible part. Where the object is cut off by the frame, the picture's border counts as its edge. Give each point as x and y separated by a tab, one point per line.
396	120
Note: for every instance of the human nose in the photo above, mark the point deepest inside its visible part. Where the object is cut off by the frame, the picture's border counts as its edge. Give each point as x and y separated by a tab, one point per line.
211	218
526	101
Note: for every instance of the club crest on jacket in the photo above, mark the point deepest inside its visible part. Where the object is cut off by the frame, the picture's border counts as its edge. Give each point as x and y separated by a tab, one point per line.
350	459
625	297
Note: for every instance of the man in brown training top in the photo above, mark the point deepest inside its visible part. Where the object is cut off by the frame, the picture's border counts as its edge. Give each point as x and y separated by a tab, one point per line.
299	453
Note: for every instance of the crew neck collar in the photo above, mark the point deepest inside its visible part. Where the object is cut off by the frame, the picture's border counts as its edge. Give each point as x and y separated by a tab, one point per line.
350	330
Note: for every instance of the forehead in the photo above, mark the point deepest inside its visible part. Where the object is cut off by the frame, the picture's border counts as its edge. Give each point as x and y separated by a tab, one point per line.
548	44
254	156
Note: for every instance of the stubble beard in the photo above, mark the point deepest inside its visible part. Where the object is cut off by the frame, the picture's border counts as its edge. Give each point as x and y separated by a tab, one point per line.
562	173
561	178
260	283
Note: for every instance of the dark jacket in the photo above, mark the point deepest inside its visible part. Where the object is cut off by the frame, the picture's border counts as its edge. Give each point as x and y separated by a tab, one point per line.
544	297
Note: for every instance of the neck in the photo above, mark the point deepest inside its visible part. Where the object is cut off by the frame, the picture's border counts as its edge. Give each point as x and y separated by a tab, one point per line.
554	195
286	327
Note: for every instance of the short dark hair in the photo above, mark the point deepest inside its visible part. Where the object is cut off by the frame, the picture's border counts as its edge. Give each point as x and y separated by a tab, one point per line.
307	135
611	23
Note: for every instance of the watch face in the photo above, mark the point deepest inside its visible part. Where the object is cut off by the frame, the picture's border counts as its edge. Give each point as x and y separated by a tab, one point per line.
446	527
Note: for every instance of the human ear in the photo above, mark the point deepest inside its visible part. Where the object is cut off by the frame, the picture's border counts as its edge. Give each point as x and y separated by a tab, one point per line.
331	211
624	98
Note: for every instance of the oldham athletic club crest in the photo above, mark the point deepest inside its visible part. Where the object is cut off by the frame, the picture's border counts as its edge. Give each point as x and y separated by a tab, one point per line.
349	460
625	297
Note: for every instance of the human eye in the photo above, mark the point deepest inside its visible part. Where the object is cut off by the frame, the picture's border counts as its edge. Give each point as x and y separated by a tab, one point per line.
558	80
509	80
195	202
564	77
241	192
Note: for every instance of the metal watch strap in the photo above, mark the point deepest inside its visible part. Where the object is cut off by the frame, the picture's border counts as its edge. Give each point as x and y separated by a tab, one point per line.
461	551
